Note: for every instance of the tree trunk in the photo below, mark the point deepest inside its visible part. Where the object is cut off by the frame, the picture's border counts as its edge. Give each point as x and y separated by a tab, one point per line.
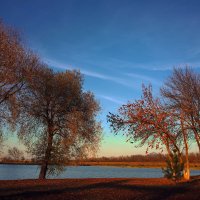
197	138
43	171
169	153
44	166
187	166
186	174
186	171
180	157
196	134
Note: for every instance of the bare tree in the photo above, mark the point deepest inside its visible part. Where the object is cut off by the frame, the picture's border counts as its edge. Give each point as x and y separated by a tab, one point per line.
182	92
57	119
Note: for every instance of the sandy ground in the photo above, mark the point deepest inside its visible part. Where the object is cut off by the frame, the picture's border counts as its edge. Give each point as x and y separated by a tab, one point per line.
96	189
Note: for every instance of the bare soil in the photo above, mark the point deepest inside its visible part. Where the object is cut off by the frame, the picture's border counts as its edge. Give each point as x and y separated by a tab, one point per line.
98	189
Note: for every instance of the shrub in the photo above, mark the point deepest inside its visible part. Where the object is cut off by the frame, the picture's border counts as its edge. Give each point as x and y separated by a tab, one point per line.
174	169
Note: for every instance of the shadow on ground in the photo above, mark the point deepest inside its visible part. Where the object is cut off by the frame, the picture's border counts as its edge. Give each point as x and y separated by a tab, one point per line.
97	189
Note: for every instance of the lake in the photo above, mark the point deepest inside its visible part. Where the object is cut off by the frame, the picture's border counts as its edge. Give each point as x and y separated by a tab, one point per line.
15	172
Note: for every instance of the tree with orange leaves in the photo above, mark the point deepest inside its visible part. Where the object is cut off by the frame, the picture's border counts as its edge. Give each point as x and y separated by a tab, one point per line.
148	122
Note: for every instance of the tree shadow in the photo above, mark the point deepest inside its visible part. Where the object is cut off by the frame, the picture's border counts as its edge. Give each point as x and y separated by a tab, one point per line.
149	191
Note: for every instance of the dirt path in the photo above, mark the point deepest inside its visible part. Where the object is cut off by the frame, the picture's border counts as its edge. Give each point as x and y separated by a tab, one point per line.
97	189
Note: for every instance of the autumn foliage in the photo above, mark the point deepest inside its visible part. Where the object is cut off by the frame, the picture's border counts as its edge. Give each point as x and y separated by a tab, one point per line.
54	117
146	121
150	122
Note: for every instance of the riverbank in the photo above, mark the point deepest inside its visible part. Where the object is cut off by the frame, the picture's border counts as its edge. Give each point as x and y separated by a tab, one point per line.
112	164
134	164
98	189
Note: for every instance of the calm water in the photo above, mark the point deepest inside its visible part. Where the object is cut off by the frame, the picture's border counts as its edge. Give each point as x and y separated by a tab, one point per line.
11	172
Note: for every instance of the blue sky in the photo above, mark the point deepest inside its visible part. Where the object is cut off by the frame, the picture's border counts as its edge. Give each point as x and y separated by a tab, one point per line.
117	45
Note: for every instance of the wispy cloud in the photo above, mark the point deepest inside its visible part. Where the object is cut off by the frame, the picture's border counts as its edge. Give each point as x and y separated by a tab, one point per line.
93	74
112	99
56	64
162	68
144	78
170	67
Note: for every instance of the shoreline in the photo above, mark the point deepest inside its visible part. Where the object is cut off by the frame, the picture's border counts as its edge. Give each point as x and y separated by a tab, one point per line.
193	166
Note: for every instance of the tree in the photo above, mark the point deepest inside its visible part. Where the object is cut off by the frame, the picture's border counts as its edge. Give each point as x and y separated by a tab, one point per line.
182	92
58	119
16	65
148	121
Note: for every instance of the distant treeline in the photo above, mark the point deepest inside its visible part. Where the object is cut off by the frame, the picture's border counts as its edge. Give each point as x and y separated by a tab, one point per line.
152	157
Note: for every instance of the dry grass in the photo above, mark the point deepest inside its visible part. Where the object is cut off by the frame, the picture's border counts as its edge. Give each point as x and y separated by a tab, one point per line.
132	164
